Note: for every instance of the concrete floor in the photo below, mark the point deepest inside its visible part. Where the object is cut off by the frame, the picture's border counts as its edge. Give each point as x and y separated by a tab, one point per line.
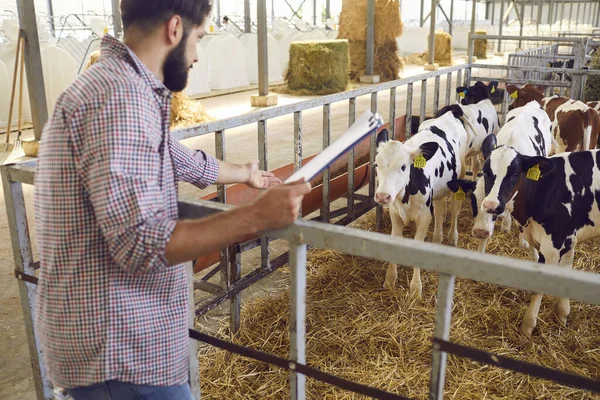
241	146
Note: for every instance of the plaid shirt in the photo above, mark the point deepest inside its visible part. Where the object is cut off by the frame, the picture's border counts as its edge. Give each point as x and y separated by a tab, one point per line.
109	307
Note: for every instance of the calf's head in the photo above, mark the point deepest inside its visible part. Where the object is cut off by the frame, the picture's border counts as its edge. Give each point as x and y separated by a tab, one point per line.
394	161
476	93
524	95
503	171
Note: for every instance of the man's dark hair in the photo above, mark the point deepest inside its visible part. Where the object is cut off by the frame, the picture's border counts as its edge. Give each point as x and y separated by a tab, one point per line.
149	13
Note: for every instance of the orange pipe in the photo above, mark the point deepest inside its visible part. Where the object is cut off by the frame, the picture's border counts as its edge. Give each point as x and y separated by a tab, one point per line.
241	194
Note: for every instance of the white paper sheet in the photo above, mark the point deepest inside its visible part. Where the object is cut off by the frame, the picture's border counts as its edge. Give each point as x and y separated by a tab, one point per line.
367	123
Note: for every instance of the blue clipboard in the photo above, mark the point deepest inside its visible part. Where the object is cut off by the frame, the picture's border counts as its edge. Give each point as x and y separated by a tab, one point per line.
365	125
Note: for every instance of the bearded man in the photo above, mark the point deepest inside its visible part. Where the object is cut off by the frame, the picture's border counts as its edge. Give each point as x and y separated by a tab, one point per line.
112	299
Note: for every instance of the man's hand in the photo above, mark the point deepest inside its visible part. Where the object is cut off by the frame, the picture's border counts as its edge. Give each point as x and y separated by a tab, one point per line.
279	206
258	179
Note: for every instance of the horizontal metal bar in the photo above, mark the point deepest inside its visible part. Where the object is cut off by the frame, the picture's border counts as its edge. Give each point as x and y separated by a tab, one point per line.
274	112
524	68
24	173
528	38
515	81
208	287
519	274
212	273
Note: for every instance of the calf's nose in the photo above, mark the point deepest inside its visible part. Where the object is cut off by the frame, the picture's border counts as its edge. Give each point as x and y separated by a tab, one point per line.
383	198
481	233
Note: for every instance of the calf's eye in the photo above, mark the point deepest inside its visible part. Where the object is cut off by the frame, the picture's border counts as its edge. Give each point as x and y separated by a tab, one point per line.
404	168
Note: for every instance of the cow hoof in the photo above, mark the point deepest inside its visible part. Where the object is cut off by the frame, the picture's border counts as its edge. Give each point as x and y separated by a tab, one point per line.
563	320
416	290
391	286
527	328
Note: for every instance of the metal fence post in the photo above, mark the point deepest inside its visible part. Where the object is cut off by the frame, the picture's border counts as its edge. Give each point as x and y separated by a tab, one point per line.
193	344
298	143
33	66
443	314
298	318
263	52
372	154
263	157
326	206
23	259
351	153
409	99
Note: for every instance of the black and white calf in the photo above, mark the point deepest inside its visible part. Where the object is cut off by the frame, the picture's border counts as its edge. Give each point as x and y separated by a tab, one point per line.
556	202
480	92
528	131
480	120
413	181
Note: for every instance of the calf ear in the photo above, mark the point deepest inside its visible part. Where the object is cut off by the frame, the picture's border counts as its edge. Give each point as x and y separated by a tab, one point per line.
489	144
493	86
428	150
466	186
382	137
511	89
546	165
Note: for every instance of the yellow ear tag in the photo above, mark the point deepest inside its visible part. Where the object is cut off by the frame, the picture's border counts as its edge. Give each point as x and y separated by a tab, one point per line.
462	95
460	195
493	89
420	162
514	95
534	173
211	29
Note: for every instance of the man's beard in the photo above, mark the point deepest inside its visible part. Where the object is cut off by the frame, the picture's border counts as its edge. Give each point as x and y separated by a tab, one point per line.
175	69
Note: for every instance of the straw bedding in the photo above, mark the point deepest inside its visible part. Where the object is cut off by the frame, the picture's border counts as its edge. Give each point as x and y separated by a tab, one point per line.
359	331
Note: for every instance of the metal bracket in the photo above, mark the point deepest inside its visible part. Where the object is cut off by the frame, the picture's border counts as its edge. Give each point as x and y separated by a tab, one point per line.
26	278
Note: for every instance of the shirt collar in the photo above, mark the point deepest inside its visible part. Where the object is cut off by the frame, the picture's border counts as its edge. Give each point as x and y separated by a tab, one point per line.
111	47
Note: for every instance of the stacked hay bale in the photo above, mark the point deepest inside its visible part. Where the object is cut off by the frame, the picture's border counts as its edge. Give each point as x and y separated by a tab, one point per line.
481	46
592	85
443	49
318	67
388	26
185	112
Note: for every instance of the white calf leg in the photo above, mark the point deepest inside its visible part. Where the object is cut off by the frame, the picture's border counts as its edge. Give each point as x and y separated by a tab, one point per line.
454	211
416	287
563	308
551	256
482	245
392	272
439	210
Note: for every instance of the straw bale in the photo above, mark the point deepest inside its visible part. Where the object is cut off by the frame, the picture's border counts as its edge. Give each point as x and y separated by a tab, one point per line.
388	63
443	48
359	331
481	46
184	111
318	67
592	85
353	20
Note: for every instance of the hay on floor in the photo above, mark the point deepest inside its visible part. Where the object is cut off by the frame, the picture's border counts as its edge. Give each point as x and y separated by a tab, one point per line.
481	46
443	48
359	331
186	112
416	58
318	67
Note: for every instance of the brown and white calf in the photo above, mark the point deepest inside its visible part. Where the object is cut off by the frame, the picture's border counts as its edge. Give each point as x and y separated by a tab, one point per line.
575	126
